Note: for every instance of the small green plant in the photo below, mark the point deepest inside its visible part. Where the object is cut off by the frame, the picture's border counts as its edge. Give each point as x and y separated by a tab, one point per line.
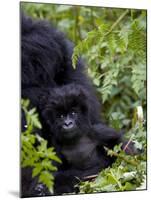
37	156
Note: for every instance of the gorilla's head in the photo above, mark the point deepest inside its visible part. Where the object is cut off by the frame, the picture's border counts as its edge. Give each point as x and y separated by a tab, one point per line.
67	112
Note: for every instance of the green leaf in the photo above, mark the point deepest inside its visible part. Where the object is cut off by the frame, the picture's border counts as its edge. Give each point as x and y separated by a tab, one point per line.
36	170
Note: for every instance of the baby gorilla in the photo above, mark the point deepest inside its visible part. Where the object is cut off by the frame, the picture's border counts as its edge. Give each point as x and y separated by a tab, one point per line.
78	142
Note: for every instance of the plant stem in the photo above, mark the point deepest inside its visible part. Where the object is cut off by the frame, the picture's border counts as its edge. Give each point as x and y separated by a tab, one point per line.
121	157
117	21
129	141
119	184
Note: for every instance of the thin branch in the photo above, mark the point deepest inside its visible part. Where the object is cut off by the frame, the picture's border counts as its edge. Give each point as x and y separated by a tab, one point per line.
117	21
92	177
127	144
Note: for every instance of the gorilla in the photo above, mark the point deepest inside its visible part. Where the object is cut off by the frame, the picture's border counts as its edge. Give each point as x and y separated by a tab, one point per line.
67	106
46	62
78	142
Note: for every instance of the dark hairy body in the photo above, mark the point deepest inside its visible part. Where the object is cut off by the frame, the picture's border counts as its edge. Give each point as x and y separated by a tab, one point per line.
67	106
79	142
46	63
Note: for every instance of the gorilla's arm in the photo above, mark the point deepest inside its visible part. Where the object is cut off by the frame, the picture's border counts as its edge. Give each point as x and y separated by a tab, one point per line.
106	136
109	137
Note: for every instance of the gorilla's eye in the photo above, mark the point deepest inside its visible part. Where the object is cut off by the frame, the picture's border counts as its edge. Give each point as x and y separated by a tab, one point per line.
61	116
73	113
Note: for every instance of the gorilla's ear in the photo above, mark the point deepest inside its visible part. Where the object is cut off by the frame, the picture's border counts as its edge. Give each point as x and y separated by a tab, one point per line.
43	99
47	115
47	109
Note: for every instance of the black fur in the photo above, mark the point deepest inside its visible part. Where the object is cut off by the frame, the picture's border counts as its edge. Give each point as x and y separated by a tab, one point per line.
81	146
46	63
49	80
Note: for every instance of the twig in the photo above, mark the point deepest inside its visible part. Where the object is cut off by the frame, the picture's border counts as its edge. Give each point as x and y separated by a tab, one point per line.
117	21
90	177
126	146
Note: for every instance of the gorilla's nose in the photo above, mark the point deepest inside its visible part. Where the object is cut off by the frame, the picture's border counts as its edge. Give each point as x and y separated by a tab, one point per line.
68	124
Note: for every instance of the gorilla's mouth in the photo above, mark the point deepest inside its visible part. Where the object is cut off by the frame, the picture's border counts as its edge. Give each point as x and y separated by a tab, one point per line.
69	130
70	133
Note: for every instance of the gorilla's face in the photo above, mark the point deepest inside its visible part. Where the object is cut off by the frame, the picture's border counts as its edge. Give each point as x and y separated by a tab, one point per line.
68	123
67	113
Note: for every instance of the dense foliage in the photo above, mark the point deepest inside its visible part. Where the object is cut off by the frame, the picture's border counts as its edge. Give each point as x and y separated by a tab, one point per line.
34	151
113	44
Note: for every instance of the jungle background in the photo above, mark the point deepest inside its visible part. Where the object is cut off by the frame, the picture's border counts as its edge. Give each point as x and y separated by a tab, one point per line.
112	42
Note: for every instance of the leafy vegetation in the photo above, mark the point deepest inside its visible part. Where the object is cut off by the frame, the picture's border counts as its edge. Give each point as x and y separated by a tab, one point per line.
34	151
116	54
113	45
